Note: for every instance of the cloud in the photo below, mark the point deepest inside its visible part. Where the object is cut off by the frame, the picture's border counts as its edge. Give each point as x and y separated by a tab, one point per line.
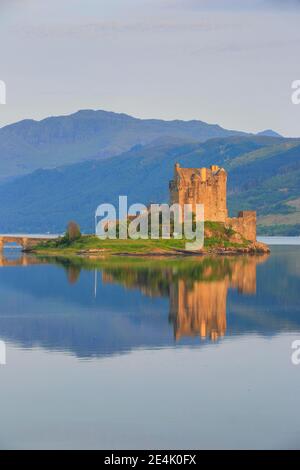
9	3
123	27
295	3
233	4
246	47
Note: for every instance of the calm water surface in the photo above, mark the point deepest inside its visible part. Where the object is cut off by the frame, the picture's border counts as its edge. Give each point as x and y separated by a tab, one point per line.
163	353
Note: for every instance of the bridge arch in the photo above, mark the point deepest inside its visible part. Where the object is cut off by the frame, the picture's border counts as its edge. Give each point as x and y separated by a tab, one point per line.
22	240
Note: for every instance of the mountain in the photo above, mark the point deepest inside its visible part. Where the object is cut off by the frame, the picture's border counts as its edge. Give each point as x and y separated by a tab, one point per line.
269	133
264	175
29	145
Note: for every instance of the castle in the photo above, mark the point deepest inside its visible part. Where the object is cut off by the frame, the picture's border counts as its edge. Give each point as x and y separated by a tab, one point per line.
208	186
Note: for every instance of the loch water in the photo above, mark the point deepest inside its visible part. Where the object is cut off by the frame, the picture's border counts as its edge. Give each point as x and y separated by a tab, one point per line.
163	353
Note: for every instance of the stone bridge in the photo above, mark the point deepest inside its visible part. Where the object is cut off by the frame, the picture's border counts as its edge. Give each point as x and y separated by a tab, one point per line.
25	241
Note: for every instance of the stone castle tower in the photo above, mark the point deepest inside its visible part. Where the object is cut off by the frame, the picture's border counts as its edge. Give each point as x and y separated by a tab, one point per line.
205	186
208	186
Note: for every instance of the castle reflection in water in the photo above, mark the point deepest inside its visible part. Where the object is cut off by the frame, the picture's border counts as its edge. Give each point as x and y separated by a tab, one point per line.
197	297
197	288
98	307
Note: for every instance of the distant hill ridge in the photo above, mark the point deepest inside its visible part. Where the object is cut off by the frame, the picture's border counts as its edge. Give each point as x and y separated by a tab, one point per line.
263	175
269	133
28	145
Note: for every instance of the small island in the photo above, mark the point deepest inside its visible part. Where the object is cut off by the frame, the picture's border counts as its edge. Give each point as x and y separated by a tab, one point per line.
223	235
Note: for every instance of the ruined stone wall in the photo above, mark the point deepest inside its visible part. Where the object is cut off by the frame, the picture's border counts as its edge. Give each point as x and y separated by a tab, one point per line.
245	224
205	186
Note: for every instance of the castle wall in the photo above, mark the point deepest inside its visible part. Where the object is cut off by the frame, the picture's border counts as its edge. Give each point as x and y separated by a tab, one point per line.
244	223
205	186
208	186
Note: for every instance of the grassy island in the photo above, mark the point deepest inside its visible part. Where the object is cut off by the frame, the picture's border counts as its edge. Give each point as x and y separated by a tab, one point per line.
218	238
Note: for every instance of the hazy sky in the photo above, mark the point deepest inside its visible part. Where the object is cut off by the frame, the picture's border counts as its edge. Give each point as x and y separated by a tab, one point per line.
229	62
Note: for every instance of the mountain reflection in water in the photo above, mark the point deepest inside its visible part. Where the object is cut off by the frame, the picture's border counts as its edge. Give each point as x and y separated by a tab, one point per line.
144	302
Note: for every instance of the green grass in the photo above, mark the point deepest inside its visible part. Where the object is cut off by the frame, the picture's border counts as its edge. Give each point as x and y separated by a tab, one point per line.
217	236
91	242
220	236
